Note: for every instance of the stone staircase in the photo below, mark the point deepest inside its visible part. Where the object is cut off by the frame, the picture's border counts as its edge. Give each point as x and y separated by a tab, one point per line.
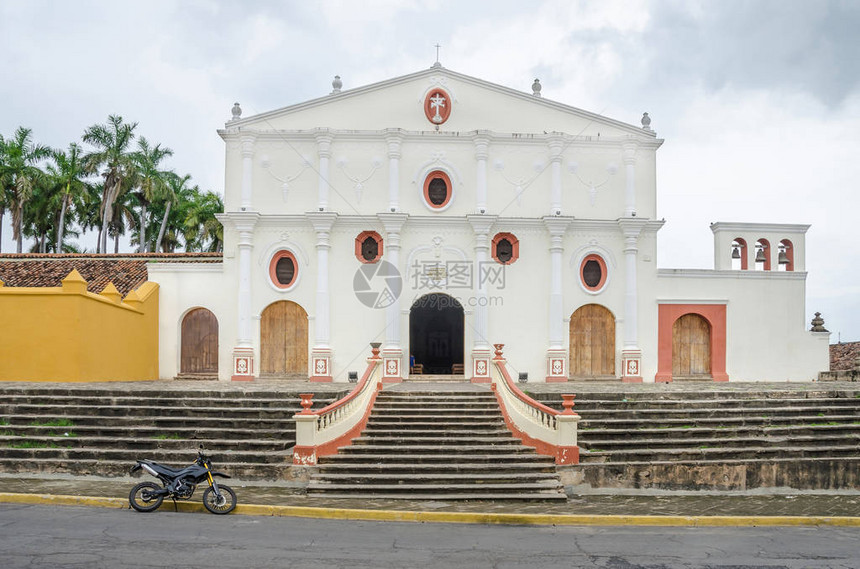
802	439
102	431
437	443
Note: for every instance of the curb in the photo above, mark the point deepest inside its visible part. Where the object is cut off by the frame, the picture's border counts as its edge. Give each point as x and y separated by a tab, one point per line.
455	517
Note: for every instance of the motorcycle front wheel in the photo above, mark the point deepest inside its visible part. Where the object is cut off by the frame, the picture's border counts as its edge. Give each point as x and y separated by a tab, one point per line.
145	497
222	504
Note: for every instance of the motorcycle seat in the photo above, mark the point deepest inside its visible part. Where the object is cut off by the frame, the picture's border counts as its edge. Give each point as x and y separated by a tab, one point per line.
166	470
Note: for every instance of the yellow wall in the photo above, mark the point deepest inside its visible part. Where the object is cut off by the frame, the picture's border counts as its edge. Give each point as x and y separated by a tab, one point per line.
68	334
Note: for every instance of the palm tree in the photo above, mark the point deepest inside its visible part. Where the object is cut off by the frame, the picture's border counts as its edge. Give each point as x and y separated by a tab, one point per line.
176	189
122	218
150	180
42	213
112	141
20	156
5	186
201	225
67	172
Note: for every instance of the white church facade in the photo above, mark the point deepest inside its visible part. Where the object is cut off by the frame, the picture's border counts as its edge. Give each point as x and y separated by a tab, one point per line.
439	214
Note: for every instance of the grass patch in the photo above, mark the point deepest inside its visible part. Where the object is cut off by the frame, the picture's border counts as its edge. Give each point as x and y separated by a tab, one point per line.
8	433
66	434
820	415
830	424
54	423
165	437
33	444
4	421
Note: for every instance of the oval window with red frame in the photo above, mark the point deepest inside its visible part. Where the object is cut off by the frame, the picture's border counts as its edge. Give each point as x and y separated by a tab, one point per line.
592	273
505	248
368	247
283	269
437	189
437	106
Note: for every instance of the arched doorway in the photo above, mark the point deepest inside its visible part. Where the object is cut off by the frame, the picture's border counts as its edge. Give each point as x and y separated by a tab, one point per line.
199	343
691	347
592	343
284	340
436	334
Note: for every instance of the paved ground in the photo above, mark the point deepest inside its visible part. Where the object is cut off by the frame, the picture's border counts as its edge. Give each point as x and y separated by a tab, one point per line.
785	503
34	537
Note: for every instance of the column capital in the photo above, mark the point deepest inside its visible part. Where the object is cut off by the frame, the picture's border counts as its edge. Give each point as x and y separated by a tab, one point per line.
324	139
248	140
393	138
241	221
392	222
628	149
481	224
322	221
555	141
557	224
631	227
482	143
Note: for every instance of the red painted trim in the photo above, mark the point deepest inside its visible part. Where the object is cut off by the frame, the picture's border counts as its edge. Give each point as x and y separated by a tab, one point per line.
361	239
603	273
556	379
444	112
715	314
437	174
519	393
320	379
283	253
743	246
789	252
515	247
766	245
345	439
242	378
481	379
631	379
371	365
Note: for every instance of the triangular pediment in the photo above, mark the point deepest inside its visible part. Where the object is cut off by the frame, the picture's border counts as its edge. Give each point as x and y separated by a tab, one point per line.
475	104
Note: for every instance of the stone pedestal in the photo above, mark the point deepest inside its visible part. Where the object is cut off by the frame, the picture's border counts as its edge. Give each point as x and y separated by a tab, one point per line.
321	365
481	366
631	366
391	366
243	364
556	366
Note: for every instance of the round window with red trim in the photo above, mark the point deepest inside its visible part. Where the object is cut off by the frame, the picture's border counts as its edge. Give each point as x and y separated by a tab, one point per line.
283	269
437	190
592	273
505	248
368	247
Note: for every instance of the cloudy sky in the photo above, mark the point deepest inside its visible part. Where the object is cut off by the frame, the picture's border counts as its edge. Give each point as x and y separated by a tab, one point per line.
758	101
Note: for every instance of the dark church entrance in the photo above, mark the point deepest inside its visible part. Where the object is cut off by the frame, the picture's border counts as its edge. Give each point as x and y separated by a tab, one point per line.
436	335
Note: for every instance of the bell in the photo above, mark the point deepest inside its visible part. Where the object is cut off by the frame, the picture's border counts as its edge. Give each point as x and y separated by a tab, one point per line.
736	252
783	257
759	255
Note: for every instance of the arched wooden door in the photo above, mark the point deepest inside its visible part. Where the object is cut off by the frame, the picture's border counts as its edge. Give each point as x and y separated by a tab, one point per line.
199	352
691	347
592	342
284	340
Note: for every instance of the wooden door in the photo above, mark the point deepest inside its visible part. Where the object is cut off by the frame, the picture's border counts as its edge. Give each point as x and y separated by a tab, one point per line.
691	347
284	340
592	342
199	352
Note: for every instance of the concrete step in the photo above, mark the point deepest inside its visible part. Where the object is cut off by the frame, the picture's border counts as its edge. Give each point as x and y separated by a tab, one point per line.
775	411
146	411
445	430
527	456
146	432
408	440
101	467
150	401
646	445
140	444
64	453
224	423
452	488
326	467
597	435
725	404
428	449
715	422
442	479
441	496
436	378
724	453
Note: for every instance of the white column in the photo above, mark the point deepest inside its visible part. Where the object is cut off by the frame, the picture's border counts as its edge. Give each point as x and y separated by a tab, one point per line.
243	352
631	355
394	139
480	372
321	352
324	139
556	145
629	157
392	352
248	142
556	358
481	154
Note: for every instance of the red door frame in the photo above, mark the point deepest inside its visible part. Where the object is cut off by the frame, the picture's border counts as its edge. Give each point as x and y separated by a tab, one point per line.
667	314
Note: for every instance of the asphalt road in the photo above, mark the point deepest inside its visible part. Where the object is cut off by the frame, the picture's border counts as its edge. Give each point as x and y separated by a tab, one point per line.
62	536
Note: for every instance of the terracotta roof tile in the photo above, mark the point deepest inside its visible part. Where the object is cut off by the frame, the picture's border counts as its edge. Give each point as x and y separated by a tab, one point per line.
842	355
126	272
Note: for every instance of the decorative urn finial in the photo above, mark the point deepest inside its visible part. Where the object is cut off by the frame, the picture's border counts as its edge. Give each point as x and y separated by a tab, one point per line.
646	122
336	84
237	111
536	87
818	324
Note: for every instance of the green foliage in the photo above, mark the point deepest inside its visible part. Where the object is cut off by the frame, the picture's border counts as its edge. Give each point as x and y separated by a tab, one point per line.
54	423
67	434
164	437
33	444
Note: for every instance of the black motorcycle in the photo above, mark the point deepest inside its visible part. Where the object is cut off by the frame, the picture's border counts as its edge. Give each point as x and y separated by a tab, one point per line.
180	485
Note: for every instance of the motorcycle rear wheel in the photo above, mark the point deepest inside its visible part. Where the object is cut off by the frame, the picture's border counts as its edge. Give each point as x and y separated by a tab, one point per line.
143	499
219	505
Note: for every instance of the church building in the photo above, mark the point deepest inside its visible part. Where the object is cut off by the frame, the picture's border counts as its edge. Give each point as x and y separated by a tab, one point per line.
438	215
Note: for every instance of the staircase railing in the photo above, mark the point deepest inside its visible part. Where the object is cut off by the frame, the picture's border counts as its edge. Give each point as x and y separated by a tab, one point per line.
322	432
548	431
